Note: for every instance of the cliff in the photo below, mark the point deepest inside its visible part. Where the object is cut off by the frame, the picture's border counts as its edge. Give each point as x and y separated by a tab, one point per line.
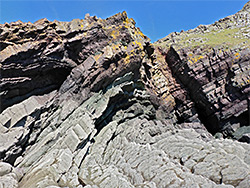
92	103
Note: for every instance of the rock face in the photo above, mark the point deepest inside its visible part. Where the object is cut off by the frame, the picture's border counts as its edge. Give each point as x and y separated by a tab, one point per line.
92	103
212	62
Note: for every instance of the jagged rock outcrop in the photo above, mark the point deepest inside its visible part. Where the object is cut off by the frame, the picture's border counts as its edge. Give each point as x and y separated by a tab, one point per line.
92	103
212	62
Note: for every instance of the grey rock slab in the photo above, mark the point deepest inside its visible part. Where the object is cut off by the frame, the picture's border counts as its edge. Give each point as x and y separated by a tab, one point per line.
209	170
8	181
71	140
15	113
234	175
63	161
245	183
9	139
5	168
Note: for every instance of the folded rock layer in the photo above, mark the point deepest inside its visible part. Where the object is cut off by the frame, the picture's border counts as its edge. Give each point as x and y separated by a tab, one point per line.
92	103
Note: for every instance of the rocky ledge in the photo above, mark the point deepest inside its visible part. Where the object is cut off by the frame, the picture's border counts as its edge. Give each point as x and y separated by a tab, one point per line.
92	103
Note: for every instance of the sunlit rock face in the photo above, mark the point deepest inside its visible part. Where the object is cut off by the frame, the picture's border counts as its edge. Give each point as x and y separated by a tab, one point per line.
212	62
92	103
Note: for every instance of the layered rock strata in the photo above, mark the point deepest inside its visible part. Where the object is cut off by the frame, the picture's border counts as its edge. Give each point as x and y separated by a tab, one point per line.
212	62
92	103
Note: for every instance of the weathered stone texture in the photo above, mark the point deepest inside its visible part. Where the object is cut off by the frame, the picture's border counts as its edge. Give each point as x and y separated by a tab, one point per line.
91	103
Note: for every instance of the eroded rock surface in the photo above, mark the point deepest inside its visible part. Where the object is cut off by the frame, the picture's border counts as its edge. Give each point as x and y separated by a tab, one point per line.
92	103
212	62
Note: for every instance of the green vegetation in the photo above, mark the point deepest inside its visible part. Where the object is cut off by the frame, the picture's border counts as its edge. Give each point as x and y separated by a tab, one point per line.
226	38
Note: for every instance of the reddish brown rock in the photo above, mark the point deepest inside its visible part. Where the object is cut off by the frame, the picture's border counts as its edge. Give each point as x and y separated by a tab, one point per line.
36	58
212	63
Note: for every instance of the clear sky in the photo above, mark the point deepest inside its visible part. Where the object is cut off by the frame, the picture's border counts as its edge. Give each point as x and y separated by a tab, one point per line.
156	19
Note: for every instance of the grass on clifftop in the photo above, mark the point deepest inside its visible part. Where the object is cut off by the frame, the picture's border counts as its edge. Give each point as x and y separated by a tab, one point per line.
227	38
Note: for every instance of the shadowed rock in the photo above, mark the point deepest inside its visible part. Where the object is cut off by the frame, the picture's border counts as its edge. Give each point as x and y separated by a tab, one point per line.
92	103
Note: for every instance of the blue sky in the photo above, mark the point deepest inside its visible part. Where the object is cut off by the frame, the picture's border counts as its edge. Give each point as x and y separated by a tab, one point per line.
156	19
